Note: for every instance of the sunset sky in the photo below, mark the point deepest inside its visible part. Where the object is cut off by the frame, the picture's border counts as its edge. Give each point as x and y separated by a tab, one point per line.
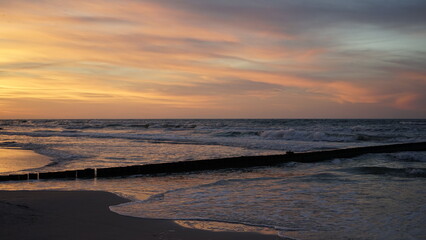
213	59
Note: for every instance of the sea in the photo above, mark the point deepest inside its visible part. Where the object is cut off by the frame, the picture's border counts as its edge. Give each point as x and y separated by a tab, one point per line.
373	196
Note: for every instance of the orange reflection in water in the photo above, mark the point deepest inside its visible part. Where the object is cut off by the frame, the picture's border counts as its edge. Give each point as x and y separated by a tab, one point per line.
15	159
225	227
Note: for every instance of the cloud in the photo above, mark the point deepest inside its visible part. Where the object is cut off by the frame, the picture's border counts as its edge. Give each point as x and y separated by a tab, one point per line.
301	16
194	54
25	65
218	88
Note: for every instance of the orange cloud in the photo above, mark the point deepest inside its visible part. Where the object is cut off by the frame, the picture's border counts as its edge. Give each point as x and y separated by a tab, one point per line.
411	101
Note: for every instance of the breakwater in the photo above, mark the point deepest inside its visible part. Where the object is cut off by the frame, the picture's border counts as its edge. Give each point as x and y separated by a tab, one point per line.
217	164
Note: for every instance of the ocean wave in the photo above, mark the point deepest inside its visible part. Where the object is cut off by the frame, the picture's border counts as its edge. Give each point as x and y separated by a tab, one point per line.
46	131
140	125
128	125
86	127
172	126
394	172
419	122
236	133
409	156
250	141
292	134
332	136
377	138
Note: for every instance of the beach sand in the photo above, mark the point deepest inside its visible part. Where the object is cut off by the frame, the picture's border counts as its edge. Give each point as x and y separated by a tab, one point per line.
86	215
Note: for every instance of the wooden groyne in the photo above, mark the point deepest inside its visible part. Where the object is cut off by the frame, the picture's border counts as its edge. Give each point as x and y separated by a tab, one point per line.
217	164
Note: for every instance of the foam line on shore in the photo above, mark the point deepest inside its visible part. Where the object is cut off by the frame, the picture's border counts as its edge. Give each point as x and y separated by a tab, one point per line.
218	164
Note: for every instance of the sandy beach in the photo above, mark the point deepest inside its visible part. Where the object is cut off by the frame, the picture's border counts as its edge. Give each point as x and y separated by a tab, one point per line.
85	215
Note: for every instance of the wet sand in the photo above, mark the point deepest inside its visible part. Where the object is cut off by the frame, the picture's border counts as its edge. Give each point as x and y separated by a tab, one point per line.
17	159
86	215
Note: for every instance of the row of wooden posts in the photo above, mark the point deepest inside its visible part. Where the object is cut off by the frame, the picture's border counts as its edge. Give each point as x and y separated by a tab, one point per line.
217	164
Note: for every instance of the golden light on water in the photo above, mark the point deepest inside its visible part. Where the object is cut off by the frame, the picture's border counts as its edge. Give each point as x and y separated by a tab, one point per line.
14	159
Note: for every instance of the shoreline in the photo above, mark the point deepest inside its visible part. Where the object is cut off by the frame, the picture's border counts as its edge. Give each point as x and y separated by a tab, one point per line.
218	163
86	214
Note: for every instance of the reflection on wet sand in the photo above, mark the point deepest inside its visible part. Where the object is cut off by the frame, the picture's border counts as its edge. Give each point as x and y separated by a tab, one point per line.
16	159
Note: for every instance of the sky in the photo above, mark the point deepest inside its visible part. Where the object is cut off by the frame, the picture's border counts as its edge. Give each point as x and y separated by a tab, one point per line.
212	59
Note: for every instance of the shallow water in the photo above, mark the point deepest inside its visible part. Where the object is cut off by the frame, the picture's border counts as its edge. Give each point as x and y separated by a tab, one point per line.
16	159
375	196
